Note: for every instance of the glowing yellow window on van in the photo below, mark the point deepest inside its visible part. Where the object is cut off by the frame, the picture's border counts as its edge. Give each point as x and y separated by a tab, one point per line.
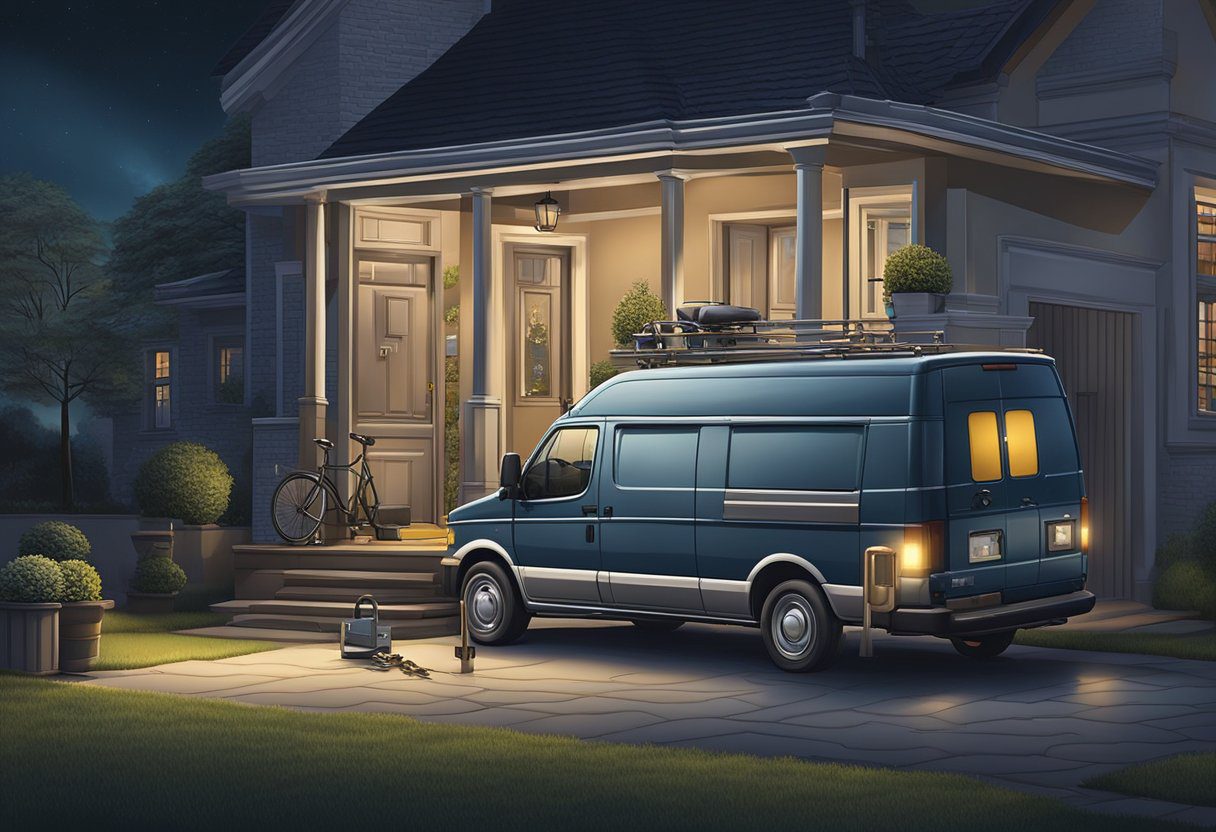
1021	443
985	446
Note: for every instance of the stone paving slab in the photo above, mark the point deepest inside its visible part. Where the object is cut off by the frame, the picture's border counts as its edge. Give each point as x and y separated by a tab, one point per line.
1035	719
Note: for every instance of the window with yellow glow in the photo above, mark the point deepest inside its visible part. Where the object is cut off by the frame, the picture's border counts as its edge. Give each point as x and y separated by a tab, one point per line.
1021	444
985	446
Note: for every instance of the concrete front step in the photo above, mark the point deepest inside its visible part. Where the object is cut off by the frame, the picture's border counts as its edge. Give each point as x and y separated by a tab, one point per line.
340	610
416	628
348	595
358	579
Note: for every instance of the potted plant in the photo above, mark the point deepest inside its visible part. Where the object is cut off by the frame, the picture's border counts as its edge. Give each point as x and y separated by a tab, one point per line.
916	279
155	585
81	615
184	481
636	308
30	588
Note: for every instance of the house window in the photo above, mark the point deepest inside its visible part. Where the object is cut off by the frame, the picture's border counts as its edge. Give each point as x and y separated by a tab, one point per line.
230	372
159	392
540	324
1205	271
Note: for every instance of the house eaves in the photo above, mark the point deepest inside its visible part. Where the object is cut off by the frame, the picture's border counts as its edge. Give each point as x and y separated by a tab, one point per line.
828	114
258	72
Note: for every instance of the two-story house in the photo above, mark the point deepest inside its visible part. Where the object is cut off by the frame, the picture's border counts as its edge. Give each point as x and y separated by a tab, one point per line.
1060	153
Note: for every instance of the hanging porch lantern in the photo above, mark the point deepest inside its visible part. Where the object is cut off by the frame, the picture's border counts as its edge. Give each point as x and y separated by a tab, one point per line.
547	211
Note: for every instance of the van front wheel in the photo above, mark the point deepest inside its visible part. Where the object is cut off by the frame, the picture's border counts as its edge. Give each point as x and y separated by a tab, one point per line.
983	648
493	606
799	629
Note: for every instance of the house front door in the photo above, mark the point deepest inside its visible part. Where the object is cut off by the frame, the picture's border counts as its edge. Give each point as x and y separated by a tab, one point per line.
539	327
394	379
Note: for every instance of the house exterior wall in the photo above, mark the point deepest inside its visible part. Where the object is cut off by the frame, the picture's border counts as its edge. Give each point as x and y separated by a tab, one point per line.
196	416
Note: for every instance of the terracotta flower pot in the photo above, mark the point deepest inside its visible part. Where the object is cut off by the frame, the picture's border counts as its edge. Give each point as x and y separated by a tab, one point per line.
29	637
150	603
80	634
153	543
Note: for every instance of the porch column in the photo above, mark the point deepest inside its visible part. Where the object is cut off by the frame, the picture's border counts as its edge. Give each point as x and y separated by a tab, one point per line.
482	411
313	403
808	280
671	217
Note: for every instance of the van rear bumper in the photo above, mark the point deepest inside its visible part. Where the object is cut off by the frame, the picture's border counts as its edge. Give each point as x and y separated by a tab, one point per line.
939	621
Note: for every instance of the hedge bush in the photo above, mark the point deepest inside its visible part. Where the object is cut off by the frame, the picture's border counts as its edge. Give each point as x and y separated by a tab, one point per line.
158	575
639	306
601	371
80	582
916	268
31	579
184	480
57	540
1185	585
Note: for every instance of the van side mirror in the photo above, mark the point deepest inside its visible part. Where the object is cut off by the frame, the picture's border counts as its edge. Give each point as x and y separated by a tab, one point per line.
509	476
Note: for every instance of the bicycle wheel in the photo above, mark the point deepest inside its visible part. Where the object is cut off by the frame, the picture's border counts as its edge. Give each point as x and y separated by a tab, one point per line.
298	506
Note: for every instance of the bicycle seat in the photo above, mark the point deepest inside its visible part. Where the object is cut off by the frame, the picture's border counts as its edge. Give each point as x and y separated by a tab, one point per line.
365	441
324	443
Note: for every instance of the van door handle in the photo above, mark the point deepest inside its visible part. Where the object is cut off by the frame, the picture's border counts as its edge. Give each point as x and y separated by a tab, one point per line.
607	512
589	511
590	533
1027	502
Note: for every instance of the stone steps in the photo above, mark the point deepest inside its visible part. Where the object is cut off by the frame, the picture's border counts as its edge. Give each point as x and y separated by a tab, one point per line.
405	629
349	594
432	608
357	579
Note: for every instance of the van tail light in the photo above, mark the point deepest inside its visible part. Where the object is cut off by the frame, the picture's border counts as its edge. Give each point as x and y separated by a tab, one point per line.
1085	525
924	549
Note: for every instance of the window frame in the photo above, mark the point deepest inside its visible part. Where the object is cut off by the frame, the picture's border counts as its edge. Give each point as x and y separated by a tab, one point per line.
155	383
998	427
1034	436
543	447
218	343
1205	295
862	202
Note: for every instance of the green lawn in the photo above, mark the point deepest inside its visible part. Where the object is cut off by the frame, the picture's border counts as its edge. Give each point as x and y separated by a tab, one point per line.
86	756
1201	647
1187	778
129	641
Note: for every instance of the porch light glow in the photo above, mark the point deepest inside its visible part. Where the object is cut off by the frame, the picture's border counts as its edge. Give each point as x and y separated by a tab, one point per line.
547	211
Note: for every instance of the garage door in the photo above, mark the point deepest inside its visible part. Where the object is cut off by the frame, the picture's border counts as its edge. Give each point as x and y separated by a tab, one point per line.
1093	350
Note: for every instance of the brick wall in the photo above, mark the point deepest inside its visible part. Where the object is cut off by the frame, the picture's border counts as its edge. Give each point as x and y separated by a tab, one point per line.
1187	483
196	416
275	452
366	53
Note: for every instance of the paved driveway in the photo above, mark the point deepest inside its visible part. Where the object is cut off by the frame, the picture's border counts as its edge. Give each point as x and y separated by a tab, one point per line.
1040	720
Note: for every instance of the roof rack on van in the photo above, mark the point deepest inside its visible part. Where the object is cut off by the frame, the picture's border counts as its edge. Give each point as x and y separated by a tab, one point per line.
711	333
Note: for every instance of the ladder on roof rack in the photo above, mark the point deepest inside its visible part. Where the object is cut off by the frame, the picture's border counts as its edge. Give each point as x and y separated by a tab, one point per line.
689	342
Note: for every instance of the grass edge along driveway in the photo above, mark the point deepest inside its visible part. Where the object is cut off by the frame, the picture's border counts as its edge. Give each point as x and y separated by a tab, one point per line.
1201	647
1186	778
75	754
131	641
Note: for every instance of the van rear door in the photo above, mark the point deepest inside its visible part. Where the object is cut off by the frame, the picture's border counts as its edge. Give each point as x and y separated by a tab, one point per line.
977	498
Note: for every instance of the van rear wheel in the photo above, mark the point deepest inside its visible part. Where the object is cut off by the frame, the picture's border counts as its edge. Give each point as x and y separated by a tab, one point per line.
493	605
799	629
985	647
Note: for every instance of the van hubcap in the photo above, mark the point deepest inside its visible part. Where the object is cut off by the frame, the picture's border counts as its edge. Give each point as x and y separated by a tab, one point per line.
793	626
483	601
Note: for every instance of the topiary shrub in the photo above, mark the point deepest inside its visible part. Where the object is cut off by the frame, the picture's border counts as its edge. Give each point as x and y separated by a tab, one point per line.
160	575
80	582
639	306
1185	586
31	579
55	539
184	480
916	268
601	371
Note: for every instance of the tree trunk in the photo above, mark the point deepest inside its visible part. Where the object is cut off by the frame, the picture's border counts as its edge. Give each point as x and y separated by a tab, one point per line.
67	493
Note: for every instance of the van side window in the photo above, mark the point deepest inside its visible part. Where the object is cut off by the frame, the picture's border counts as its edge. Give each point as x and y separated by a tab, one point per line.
563	467
795	458
985	446
649	457
1021	443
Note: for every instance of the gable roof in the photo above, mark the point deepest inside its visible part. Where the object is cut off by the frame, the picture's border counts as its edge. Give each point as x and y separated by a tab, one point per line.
269	18
532	68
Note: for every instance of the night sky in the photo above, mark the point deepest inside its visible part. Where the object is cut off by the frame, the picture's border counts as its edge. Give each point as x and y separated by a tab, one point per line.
108	98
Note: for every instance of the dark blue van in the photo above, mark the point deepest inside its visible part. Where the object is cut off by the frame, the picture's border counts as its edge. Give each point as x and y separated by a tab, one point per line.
750	493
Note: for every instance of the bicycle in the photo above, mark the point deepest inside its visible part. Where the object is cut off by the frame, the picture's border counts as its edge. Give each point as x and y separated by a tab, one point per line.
300	501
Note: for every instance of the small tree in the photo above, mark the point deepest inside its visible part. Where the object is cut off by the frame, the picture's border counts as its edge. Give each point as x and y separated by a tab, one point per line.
916	268
638	307
59	332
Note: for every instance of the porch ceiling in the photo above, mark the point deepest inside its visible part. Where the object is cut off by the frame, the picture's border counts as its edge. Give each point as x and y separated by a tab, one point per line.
855	131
